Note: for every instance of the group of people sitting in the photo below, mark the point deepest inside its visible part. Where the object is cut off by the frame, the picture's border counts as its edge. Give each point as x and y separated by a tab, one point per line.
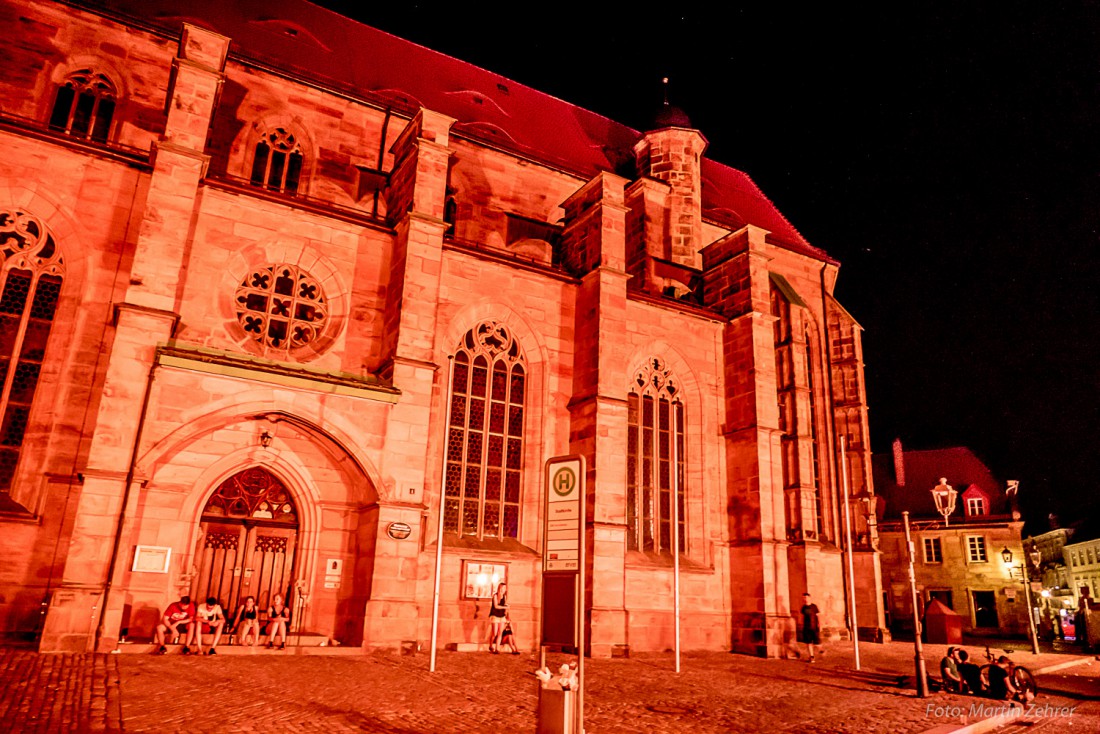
190	623
960	675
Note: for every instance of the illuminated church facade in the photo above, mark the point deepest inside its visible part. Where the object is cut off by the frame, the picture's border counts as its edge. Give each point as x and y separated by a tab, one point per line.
281	293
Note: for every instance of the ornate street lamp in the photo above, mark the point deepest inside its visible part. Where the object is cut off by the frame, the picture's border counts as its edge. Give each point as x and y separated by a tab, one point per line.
944	495
1006	555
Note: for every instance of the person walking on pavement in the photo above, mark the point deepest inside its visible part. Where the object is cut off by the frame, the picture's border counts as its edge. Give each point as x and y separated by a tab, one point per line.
811	626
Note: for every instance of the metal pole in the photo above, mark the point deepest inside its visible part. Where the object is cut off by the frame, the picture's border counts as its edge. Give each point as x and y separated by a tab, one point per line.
676	527
581	592
922	674
442	501
848	539
1030	612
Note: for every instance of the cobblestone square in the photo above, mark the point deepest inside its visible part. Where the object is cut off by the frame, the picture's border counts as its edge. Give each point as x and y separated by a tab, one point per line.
389	692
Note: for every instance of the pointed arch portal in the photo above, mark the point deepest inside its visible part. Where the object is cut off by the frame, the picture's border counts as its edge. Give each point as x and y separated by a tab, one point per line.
247	543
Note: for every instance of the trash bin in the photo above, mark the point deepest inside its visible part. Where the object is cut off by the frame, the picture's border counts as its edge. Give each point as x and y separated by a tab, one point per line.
557	710
941	624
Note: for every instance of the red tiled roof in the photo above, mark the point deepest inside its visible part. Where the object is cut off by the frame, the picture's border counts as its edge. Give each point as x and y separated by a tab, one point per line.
309	41
923	470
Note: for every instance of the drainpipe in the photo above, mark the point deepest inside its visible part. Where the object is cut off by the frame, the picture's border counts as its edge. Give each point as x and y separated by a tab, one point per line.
125	502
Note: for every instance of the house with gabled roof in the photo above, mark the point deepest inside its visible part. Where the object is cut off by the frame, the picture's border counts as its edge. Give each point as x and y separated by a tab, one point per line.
967	552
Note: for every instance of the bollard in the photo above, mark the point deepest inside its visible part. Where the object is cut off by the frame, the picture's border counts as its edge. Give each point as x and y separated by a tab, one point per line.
557	710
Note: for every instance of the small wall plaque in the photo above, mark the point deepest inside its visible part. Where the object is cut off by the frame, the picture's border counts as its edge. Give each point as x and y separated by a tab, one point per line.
399	530
151	559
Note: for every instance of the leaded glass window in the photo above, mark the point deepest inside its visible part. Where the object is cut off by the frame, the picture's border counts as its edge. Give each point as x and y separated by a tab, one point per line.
655	450
31	271
252	494
282	307
278	162
485	434
84	106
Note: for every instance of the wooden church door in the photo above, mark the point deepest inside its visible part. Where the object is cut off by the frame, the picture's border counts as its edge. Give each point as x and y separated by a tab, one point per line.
247	545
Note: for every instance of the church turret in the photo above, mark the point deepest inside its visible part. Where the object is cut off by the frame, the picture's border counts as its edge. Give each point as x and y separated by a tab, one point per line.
671	152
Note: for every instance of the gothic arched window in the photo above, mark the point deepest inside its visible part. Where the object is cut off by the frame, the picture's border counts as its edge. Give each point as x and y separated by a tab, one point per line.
485	434
31	270
84	106
278	162
655	441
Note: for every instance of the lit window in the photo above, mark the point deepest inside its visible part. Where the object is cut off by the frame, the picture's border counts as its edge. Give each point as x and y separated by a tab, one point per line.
933	553
1092	558
84	106
975	549
31	270
485	435
278	162
655	421
282	307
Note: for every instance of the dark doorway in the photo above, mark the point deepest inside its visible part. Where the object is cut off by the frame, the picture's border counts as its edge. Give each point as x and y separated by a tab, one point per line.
985	609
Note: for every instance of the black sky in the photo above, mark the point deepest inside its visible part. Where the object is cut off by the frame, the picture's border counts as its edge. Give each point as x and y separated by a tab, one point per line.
947	153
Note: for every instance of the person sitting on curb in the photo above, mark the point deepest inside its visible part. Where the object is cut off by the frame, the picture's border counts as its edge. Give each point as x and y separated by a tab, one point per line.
1001	687
949	670
508	636
968	671
210	618
178	616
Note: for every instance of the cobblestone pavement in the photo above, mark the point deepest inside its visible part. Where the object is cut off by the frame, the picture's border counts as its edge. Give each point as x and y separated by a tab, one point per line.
58	693
389	692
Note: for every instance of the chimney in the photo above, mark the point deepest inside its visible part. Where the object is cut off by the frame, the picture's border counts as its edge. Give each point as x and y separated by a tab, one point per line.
899	463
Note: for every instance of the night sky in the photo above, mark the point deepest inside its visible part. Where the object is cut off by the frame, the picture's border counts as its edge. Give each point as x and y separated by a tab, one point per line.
945	152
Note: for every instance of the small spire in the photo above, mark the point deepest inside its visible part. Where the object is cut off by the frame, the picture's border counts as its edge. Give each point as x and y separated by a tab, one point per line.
664	81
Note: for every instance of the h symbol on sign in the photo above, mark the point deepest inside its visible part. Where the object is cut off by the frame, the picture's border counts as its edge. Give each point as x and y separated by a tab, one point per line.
564	480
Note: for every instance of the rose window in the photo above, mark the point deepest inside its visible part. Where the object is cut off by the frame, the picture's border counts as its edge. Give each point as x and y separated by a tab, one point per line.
281	307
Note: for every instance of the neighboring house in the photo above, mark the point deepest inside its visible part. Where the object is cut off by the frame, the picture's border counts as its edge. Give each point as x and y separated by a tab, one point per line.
1082	559
284	295
1053	566
958	561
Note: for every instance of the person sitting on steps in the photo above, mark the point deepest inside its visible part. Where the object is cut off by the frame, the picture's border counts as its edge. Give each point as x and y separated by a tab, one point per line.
278	619
247	621
209	618
179	615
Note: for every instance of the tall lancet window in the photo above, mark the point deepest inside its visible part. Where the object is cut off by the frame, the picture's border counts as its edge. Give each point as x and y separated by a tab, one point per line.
655	443
485	434
31	269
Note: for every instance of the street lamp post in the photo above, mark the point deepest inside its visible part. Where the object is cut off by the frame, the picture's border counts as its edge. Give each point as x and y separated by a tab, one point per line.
1006	554
922	673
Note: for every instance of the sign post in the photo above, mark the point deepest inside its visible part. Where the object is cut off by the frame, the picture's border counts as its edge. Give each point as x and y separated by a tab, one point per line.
563	581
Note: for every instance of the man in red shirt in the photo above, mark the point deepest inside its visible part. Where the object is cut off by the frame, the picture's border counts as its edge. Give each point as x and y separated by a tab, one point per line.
179	614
